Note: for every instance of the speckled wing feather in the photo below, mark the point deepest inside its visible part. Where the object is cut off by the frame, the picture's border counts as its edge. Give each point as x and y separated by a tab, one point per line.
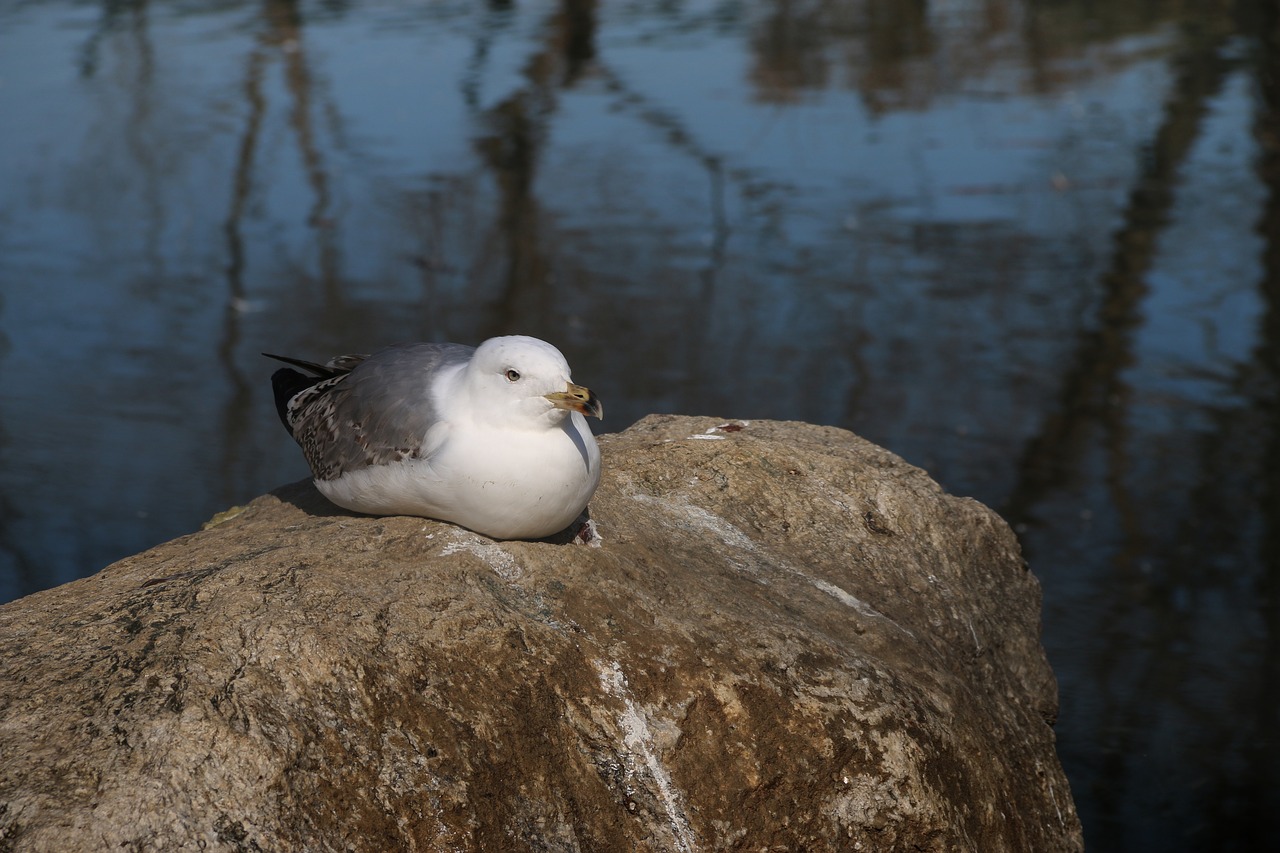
360	411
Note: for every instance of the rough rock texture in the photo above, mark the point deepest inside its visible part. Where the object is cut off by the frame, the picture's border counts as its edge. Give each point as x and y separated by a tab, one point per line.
784	639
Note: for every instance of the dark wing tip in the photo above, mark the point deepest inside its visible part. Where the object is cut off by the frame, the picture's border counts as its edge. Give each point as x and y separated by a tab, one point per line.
287	384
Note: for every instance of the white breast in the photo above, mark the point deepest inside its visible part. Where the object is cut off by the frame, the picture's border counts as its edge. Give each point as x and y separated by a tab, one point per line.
508	484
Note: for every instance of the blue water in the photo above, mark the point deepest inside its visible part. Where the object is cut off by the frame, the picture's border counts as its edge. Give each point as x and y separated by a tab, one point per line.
1027	246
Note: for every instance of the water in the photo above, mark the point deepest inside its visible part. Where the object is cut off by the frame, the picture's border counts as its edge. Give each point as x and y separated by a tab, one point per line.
1033	247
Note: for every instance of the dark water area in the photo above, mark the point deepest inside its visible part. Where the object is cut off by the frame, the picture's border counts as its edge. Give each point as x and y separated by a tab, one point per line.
1030	246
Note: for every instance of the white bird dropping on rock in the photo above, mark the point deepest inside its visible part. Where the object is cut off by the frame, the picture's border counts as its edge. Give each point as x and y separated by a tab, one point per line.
492	437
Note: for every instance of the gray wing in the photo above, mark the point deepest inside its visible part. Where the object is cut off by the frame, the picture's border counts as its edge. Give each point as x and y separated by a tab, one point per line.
377	413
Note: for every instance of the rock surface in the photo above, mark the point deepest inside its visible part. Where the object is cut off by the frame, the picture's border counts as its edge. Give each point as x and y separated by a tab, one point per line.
783	639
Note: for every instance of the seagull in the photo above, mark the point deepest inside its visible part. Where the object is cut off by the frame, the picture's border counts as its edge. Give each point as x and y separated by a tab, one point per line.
491	438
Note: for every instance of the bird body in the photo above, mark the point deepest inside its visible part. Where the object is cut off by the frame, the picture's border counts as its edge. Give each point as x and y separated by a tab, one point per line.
492	438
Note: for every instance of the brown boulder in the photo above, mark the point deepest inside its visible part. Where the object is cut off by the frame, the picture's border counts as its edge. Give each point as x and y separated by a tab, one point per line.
784	638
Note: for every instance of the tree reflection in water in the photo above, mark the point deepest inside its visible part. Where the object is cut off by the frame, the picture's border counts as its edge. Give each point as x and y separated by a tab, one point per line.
1031	246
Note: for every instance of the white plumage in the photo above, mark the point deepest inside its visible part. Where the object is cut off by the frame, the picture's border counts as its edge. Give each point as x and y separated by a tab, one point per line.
491	438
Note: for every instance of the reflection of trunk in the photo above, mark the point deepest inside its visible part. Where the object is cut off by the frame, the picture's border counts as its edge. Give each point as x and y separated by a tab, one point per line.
235	410
1093	388
142	139
1095	393
577	25
242	183
512	147
286	34
512	154
28	576
283	35
1261	777
519	130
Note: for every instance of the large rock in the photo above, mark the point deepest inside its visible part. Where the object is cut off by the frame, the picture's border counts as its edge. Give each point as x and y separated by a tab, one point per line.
784	639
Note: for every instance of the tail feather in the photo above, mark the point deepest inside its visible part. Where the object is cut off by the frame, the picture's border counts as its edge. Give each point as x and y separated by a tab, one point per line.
310	366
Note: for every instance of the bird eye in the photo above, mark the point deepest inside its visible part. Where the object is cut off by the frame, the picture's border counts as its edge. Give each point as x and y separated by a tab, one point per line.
513	376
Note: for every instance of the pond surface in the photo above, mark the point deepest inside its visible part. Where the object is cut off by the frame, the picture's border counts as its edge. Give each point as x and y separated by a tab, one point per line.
1032	247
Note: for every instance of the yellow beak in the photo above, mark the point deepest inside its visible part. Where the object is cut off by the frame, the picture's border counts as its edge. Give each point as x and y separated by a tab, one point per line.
575	398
